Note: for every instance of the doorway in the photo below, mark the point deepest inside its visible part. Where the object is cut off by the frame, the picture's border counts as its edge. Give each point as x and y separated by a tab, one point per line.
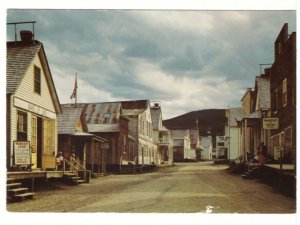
39	142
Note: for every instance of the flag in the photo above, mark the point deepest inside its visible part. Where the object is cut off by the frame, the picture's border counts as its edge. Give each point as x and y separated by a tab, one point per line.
74	94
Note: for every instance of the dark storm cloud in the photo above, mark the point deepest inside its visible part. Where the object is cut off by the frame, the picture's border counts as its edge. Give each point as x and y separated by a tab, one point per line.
167	55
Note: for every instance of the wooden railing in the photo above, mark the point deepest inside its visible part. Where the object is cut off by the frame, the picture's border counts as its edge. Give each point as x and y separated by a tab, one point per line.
73	166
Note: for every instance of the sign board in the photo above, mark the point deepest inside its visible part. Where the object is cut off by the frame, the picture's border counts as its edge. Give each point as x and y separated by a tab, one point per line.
33	108
270	123
22	153
104	145
277	150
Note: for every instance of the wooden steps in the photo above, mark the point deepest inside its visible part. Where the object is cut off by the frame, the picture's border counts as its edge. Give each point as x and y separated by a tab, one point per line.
73	178
15	191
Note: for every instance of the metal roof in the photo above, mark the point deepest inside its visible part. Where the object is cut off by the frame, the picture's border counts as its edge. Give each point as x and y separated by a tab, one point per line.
132	112
103	127
84	134
68	120
103	113
235	114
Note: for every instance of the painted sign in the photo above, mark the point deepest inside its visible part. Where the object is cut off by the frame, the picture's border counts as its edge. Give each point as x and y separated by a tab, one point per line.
33	108
270	123
104	145
277	150
22	153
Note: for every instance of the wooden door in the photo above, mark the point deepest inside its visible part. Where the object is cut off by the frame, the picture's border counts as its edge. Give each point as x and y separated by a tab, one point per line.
48	158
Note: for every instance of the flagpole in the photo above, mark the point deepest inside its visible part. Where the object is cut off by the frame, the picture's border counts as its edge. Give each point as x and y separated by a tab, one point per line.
76	91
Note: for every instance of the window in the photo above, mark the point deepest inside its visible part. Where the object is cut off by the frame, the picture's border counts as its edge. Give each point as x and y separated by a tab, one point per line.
284	92
37	80
22	126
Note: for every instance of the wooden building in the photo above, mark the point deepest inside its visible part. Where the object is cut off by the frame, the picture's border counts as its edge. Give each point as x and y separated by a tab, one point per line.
181	144
161	136
106	120
140	128
283	95
74	138
32	102
232	131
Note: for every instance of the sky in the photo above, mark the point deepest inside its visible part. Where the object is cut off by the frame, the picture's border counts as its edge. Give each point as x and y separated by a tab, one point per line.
188	60
185	59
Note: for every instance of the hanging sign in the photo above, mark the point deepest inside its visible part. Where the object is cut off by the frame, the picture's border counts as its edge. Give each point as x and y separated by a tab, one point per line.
104	145
22	153
270	123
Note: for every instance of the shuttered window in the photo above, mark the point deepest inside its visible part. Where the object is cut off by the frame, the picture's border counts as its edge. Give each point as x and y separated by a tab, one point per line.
37	80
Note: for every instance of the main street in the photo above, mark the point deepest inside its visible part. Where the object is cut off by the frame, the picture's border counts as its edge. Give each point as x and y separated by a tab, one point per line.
185	187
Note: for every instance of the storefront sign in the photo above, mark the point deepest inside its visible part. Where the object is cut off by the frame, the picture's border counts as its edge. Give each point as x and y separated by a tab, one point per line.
270	123
22	152
277	150
33	108
104	145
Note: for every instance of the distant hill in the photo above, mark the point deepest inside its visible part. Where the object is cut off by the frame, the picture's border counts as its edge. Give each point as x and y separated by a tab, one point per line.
208	119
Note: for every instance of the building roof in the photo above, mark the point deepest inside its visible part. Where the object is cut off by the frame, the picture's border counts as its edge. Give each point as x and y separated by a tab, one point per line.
67	121
263	92
19	57
156	116
235	114
103	127
103	113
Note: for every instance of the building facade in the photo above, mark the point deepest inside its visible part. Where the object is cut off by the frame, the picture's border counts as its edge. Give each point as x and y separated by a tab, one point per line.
283	96
106	121
232	131
140	129
161	136
32	103
181	144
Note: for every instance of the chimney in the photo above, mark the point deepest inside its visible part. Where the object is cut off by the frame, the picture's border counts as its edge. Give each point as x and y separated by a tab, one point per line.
26	36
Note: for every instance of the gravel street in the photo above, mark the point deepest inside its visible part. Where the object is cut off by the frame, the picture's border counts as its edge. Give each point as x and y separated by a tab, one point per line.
186	187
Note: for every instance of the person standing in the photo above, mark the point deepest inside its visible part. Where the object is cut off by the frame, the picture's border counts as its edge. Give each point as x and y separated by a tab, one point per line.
262	154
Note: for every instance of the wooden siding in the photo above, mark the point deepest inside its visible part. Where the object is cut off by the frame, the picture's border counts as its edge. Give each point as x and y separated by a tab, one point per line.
26	92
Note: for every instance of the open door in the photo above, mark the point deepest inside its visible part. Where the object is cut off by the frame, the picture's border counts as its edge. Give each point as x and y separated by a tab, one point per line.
48	157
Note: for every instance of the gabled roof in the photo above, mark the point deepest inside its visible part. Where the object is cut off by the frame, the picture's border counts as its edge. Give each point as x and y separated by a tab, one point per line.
234	114
103	117
262	91
67	121
156	116
19	57
103	113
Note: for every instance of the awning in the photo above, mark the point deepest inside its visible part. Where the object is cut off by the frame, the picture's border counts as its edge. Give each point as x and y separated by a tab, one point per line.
88	135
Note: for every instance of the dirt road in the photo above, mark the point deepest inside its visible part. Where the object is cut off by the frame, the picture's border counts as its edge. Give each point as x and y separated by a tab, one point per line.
186	187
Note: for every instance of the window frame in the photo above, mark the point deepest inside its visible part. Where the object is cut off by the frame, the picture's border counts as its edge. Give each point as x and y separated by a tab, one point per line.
37	83
284	93
22	134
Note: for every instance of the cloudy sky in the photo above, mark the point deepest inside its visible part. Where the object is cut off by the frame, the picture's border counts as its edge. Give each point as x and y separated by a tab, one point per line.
187	60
